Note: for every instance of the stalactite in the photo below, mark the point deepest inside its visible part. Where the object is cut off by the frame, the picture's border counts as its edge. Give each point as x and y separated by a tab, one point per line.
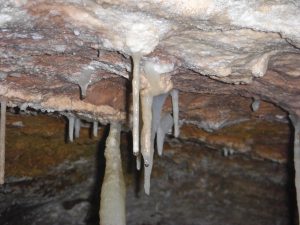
140	39
112	205
151	110
146	147
296	122
138	161
136	105
84	81
95	128
71	127
77	127
157	105
175	105
2	141
165	125
255	104
146	144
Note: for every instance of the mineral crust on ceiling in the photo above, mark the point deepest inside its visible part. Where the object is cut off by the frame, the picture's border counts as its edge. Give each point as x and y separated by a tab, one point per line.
46	48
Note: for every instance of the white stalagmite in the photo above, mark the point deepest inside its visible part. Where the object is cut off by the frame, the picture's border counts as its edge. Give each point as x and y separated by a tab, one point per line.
296	122
174	94
2	141
77	127
95	128
71	127
112	205
136	103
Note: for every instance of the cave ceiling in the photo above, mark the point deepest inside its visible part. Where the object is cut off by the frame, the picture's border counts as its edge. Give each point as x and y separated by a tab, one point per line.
221	48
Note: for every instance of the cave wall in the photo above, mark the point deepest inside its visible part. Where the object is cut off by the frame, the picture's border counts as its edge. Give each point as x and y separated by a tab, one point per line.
236	66
240	174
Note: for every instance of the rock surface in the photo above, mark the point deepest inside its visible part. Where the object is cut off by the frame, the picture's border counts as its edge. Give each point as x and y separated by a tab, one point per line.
193	183
226	55
254	42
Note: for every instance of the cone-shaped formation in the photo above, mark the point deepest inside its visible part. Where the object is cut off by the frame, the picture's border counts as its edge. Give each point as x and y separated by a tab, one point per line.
84	81
71	127
255	104
136	103
175	104
77	127
112	205
166	124
95	128
153	96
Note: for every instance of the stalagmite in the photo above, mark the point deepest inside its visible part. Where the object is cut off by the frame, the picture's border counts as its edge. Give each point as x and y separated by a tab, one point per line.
296	122
95	128
112	205
2	141
77	127
71	127
165	125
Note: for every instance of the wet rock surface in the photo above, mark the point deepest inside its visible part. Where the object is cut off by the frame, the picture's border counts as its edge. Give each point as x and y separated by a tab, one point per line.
191	183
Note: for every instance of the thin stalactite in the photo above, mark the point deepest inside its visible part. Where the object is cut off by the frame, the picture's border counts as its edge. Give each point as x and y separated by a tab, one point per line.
77	127
95	128
136	103
71	127
165	125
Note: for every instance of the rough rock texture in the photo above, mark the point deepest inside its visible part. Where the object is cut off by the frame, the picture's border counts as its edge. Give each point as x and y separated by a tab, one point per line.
193	183
227	54
234	42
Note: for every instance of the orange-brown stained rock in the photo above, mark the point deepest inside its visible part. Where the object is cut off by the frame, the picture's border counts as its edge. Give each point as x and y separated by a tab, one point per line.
262	139
110	92
38	146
